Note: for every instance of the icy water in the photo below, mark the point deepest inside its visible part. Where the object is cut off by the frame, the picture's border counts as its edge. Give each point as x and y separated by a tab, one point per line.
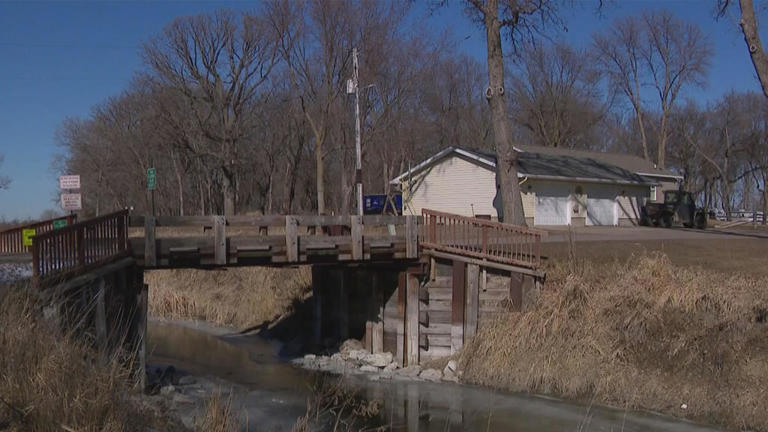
277	392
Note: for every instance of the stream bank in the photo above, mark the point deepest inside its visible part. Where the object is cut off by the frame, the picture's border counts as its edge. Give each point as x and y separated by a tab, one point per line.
270	393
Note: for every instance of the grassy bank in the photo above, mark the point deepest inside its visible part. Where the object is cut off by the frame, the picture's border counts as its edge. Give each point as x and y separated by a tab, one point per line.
637	334
51	381
236	297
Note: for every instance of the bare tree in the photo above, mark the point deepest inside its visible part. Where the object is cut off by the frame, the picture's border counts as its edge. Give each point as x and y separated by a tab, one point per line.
521	20
677	54
662	52
218	63
557	95
751	33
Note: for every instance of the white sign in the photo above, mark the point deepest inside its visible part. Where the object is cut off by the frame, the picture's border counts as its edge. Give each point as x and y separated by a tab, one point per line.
71	201
69	182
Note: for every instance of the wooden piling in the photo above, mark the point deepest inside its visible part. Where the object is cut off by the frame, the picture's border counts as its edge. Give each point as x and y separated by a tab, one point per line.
345	284
457	306
401	290
357	238
412	320
377	342
473	300
318	277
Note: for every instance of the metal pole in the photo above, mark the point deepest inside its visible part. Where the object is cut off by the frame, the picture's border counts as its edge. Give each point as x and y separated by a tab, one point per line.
358	151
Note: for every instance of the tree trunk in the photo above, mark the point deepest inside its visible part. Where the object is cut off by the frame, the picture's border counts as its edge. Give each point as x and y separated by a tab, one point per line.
662	142
506	165
320	166
641	126
228	191
754	45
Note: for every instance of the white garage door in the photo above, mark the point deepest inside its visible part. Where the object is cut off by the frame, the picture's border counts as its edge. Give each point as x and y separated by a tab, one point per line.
601	207
551	206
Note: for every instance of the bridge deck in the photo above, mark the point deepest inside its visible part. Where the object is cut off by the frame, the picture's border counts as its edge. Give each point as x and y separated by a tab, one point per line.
210	241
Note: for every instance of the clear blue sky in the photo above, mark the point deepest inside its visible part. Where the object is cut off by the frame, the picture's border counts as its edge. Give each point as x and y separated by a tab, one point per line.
61	58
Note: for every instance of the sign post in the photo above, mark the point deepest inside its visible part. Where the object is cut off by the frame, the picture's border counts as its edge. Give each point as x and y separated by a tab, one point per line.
71	200
151	185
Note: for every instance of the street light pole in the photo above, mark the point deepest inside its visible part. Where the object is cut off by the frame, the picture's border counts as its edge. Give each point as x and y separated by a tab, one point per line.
358	150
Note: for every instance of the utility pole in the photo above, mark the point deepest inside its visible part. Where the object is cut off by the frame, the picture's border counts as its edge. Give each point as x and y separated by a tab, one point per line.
358	150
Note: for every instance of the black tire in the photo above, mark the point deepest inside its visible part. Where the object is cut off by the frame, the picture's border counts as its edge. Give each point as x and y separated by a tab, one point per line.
666	220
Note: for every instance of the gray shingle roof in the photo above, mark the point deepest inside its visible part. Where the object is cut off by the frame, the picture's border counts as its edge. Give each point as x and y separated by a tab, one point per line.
629	162
560	167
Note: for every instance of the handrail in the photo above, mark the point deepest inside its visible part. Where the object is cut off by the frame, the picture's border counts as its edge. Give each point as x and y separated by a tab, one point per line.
73	250
12	239
480	238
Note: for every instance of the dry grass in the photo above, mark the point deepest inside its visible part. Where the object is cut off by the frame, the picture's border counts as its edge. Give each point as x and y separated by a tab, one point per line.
638	334
237	297
51	381
219	416
335	406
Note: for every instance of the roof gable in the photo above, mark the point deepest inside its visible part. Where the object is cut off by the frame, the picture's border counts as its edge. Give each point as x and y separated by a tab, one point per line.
542	165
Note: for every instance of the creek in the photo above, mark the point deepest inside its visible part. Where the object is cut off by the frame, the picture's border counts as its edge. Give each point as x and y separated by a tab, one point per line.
275	392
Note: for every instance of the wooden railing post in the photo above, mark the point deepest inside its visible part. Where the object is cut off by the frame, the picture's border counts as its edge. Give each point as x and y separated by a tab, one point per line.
411	237
80	239
219	240
36	262
291	239
432	228
150	246
357	237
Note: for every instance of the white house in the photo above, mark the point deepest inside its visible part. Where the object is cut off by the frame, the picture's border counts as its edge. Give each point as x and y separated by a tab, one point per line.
559	186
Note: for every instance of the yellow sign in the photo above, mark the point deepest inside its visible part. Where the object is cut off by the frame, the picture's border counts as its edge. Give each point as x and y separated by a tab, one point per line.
28	234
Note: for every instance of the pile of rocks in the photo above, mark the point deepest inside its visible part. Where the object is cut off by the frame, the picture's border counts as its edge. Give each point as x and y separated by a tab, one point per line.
352	359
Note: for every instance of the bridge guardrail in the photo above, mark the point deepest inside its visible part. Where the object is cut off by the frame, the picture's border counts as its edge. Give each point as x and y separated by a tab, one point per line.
481	238
73	250
12	240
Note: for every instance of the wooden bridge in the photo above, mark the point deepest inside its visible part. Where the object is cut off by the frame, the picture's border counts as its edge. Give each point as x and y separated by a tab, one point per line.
425	283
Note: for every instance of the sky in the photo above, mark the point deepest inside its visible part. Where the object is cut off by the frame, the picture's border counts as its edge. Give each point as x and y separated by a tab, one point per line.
60	58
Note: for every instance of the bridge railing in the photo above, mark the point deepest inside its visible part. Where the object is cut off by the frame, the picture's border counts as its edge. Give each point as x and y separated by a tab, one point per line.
480	238
272	239
73	250
12	240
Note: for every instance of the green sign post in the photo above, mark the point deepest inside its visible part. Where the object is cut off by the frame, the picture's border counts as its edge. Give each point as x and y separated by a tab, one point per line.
151	179
59	224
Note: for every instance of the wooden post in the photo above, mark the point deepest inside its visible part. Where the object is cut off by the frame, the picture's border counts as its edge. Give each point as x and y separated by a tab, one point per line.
344	287
291	239
220	240
377	337
101	314
411	237
457	307
318	277
473	300
401	288
357	238
150	251
432	268
412	320
141	327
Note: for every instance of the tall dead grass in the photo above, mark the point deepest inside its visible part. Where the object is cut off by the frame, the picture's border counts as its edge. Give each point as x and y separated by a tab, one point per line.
641	334
51	381
237	297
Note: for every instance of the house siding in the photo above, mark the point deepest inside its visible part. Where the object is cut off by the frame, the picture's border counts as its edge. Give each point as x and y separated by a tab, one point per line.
453	185
460	186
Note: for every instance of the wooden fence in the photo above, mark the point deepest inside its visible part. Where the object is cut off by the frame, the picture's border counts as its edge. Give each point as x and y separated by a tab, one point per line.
75	249
12	240
480	238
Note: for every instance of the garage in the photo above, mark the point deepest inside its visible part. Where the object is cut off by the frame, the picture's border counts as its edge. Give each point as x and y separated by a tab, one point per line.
552	205
601	206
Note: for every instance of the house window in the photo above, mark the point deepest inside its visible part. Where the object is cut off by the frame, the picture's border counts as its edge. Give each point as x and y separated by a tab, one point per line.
653	193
